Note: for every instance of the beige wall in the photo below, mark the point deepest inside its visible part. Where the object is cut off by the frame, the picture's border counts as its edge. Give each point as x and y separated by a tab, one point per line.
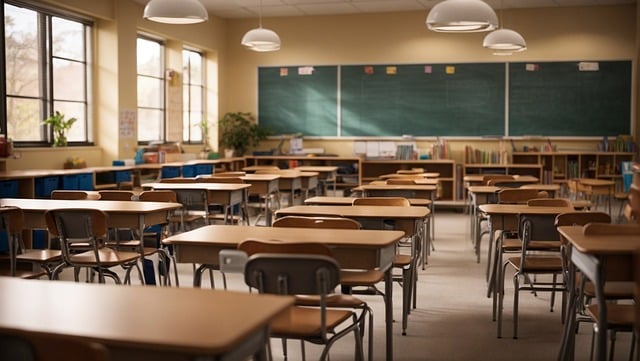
591	33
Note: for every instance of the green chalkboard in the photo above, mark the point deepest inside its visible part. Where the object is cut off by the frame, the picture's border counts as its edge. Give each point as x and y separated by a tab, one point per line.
558	99
299	100
423	100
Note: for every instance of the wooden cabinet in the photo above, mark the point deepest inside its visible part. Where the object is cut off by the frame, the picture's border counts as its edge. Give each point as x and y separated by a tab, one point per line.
557	167
372	169
349	175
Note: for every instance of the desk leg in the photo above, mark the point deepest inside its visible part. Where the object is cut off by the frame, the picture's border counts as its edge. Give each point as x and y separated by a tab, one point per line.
141	227
388	292
568	332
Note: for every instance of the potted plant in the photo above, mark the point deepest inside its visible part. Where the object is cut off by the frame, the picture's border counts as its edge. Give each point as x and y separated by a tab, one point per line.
60	124
239	132
205	128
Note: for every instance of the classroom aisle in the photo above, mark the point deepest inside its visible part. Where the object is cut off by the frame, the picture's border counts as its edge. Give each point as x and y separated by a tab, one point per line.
453	319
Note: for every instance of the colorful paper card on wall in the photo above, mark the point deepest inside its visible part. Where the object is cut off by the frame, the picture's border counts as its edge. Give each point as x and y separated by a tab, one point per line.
368	70
450	69
305	70
428	69
532	67
392	70
284	71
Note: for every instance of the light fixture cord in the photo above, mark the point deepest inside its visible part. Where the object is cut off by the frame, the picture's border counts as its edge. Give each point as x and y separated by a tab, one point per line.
501	14
260	15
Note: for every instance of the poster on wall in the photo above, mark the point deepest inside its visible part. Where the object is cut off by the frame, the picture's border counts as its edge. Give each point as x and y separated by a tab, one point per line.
127	124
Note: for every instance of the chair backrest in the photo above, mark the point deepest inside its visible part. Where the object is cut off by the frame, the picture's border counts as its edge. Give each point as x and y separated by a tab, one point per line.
610	228
76	225
401	180
292	274
161	195
381	201
317	222
516	195
498	177
549	202
69	194
537	227
49	347
178	180
634	203
581	218
113	195
252	246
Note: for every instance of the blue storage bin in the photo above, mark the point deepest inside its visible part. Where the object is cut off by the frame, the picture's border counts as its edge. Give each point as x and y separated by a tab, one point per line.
85	182
4	244
206	169
122	176
45	185
9	189
189	170
69	182
170	172
39	239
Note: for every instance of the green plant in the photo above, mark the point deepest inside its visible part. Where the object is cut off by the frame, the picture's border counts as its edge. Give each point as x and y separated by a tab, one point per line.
60	125
205	128
239	131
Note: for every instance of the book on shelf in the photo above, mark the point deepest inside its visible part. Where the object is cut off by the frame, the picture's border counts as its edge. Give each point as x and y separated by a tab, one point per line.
478	156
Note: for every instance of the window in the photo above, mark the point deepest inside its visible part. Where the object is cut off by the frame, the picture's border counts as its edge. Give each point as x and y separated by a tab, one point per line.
193	96
47	70
151	90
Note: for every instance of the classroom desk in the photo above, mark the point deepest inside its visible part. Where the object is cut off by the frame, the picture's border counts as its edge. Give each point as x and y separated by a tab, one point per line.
424	190
347	201
326	174
122	214
402	174
357	249
143	322
497	214
264	185
597	188
588	253
227	194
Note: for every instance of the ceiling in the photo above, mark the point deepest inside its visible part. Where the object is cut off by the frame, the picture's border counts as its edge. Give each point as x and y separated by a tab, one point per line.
272	8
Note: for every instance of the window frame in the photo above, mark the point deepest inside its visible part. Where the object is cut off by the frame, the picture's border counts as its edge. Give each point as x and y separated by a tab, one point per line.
162	79
46	59
186	110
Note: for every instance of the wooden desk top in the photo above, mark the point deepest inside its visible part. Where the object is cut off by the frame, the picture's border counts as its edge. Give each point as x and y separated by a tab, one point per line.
204	186
107	206
347	201
475	178
506	209
412	187
261	177
231	235
404	174
594	182
494	189
603	244
389	212
542	187
483	189
189	321
317	168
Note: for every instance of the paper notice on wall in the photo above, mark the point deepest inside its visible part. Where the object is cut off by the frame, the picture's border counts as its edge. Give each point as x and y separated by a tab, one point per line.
305	70
127	124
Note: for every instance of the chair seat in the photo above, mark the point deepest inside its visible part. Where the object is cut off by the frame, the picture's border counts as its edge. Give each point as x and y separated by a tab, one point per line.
612	290
360	278
24	274
402	260
334	300
108	257
304	322
40	255
537	264
618	315
515	244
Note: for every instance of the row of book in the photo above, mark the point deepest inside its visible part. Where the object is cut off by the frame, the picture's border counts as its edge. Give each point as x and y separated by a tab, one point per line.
477	156
622	143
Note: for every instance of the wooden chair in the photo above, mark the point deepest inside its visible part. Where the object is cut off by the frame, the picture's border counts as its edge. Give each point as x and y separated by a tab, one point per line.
308	271
530	264
620	316
69	194
549	202
11	223
88	227
49	347
407	263
348	278
116	195
402	180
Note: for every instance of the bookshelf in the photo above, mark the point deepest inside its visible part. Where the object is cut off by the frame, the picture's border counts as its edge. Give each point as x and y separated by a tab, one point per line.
557	167
372	169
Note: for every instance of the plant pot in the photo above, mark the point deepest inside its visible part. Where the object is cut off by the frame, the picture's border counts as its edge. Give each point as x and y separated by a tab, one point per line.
228	153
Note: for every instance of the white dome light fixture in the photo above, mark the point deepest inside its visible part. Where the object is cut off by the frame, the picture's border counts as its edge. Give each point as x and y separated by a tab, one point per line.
175	12
260	39
462	16
504	41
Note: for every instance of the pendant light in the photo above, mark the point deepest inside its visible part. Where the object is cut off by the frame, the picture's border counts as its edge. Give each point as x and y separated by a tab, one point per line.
175	11
504	41
462	16
261	39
